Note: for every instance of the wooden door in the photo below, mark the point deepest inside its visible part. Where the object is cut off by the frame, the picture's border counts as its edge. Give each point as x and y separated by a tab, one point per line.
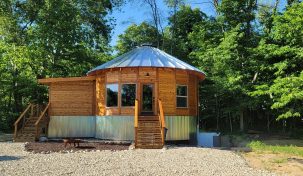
147	99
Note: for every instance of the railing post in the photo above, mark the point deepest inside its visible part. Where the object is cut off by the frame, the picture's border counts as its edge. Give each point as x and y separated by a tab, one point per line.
41	116
136	120
37	132
162	122
16	129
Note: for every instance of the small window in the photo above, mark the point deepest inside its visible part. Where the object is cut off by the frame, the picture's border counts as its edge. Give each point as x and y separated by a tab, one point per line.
181	96
128	94
112	95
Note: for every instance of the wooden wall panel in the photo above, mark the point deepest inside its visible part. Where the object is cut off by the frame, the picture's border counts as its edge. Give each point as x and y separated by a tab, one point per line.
112	76
192	95
127	111
72	98
181	77
182	111
112	111
167	90
100	95
129	75
152	72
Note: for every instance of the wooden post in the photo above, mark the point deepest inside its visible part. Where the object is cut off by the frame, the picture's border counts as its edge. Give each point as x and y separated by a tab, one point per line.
136	120
162	121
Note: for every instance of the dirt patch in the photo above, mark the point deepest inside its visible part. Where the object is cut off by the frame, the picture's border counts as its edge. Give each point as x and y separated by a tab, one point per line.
275	162
47	147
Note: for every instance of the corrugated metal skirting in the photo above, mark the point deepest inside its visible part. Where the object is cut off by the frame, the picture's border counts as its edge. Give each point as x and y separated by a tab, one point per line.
180	127
72	126
115	127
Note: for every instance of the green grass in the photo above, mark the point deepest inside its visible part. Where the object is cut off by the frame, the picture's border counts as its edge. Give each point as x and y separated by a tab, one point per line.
279	160
259	146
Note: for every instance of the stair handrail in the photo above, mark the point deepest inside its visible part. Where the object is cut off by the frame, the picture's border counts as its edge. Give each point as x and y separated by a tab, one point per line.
136	119
162	121
136	113
42	115
21	117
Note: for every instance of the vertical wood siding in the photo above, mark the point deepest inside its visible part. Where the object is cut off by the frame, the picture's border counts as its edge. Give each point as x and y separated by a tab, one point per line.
167	90
72	98
165	81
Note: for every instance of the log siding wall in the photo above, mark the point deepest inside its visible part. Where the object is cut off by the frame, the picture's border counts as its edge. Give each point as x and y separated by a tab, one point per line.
88	97
164	80
72	98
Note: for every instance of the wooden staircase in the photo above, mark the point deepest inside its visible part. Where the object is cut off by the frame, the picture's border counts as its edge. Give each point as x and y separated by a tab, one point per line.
149	130
28	132
31	124
149	133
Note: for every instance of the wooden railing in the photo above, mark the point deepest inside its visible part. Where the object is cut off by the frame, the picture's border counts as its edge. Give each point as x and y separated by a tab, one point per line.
162	121
136	120
42	118
22	119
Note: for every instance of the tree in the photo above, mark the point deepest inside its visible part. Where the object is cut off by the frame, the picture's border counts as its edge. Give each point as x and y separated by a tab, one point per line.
182	23
44	39
136	35
282	55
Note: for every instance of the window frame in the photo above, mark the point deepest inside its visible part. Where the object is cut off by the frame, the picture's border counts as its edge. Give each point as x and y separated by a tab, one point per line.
106	95
121	94
182	96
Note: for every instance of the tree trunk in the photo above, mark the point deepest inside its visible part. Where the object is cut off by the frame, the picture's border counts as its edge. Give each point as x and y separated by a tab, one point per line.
241	120
230	123
268	123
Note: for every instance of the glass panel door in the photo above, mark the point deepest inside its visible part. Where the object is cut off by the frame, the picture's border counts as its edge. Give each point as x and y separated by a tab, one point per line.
147	98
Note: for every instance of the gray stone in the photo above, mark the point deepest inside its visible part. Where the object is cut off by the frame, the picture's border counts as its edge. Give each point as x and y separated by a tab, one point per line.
43	139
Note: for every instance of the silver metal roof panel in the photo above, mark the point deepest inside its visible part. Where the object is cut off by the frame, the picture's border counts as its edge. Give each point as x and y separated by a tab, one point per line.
146	56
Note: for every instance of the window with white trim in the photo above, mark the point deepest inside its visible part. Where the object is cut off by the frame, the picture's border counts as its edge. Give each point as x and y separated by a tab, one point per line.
128	94
112	95
181	96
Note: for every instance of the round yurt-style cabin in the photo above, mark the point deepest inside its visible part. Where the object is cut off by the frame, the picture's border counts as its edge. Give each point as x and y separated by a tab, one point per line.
136	96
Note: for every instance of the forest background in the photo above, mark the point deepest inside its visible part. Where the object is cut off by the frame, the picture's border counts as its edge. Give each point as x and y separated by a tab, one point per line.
251	51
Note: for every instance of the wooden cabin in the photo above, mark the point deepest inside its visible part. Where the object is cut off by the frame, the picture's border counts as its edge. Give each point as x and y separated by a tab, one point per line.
135	96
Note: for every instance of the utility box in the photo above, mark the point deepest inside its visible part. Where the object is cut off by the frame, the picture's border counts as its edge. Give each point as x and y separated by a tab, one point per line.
209	139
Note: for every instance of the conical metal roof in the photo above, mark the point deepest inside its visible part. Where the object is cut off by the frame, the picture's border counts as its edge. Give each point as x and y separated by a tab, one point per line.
146	56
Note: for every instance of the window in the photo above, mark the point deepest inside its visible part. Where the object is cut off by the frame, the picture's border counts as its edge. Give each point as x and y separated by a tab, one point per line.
128	94
181	96
112	95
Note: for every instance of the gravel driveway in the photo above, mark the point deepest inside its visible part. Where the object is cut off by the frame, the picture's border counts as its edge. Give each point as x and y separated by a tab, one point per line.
172	161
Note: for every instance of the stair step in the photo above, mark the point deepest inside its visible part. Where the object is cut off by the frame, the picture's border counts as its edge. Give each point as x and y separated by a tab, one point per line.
149	146
149	133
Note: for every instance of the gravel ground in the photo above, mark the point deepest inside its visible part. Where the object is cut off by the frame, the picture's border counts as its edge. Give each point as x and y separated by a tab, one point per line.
172	161
46	147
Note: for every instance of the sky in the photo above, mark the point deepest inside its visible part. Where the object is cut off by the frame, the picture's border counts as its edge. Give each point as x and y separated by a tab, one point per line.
136	12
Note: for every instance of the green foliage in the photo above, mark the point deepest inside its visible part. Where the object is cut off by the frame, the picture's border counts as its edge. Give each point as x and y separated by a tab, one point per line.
136	35
280	59
288	149
47	39
181	24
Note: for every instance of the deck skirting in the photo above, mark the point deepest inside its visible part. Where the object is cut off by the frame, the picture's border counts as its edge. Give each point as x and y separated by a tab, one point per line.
116	127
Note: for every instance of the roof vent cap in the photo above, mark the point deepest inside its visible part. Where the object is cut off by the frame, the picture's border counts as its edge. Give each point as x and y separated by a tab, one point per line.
146	44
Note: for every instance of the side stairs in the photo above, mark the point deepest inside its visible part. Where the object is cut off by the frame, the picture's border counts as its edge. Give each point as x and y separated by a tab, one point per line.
32	122
28	132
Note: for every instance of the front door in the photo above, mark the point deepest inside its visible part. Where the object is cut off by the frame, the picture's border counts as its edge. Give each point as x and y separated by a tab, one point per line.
147	105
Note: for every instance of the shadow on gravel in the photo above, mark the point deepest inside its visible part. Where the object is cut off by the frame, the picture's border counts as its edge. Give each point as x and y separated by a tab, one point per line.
9	158
86	147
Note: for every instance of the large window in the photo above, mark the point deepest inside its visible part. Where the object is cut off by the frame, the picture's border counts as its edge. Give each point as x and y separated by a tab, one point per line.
181	96
128	94
112	95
